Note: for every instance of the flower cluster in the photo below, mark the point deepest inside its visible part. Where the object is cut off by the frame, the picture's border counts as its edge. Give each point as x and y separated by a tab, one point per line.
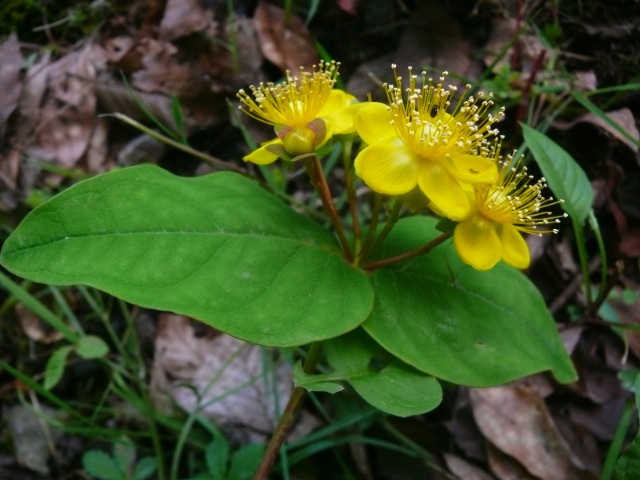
419	140
426	140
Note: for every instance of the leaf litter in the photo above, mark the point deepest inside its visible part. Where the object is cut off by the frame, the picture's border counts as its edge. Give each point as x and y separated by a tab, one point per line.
51	126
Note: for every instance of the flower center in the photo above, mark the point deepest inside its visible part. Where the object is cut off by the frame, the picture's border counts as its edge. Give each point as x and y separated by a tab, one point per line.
425	120
294	102
515	200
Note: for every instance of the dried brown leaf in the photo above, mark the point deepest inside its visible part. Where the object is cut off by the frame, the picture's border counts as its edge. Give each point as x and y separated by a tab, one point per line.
67	117
116	48
498	48
599	420
161	72
624	118
463	469
288	46
433	37
349	6
11	61
515	419
222	377
33	90
184	17
463	428
630	246
34	327
246	65
505	467
581	441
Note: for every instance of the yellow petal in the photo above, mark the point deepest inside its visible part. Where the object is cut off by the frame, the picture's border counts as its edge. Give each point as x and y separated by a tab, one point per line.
337	100
262	156
341	121
373	123
515	250
472	169
444	191
388	168
338	112
477	242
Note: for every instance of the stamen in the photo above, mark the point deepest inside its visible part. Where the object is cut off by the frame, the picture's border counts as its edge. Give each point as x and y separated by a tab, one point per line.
516	199
294	102
431	125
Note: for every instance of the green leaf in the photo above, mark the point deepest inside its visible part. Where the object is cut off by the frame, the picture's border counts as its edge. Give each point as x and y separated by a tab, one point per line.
217	248
465	326
315	383
101	465
245	461
564	176
124	454
90	347
628	465
145	467
178	117
55	367
217	456
379	378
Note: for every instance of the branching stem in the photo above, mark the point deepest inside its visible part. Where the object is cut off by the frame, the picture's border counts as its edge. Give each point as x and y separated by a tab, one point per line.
288	417
407	255
319	181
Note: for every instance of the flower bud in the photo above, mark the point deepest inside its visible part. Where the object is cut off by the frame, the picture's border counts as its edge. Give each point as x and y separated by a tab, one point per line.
302	140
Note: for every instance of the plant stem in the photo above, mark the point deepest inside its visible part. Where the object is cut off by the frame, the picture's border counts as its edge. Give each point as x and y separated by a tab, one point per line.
21	294
578	230
388	226
288	416
319	181
407	255
180	146
351	191
373	226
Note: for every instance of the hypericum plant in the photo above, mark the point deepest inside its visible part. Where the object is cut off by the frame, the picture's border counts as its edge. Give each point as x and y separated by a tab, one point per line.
396	306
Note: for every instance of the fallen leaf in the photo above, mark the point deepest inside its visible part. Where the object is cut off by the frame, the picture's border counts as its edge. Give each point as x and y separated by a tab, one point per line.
463	428
236	384
623	118
529	48
433	38
10	82
184	17
505	467
515	419
35	328
31	435
288	46
349	6
463	469
67	117
630	247
12	169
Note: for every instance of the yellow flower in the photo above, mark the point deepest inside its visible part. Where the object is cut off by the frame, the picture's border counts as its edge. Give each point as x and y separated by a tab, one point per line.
421	140
500	211
305	110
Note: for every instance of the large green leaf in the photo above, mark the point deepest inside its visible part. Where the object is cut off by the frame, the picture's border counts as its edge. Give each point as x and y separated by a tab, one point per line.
565	177
459	324
381	379
218	248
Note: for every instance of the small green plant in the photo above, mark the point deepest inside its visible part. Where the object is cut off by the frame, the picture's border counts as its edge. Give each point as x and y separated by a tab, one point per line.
122	465
424	290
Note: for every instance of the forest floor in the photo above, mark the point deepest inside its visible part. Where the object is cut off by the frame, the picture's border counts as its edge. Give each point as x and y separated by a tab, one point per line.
67	67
